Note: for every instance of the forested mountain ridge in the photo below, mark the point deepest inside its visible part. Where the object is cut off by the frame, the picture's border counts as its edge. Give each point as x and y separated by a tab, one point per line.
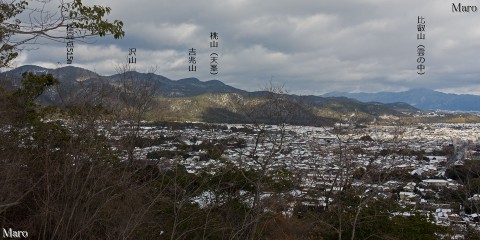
190	98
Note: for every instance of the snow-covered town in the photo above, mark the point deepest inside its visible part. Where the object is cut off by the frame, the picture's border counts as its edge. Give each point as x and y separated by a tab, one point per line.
414	165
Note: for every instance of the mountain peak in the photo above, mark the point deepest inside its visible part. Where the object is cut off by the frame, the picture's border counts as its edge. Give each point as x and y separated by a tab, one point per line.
25	68
216	82
424	90
189	81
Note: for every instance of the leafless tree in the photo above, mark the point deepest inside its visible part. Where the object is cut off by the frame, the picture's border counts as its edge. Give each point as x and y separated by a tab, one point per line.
26	22
135	98
274	108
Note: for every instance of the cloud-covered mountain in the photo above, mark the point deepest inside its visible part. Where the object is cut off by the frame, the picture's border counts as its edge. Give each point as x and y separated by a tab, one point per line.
421	98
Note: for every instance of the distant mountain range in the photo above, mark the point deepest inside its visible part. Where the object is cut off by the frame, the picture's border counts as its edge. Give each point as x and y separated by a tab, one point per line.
422	98
187	87
213	101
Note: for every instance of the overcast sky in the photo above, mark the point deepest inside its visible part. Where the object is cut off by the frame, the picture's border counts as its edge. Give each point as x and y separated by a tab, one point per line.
309	46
